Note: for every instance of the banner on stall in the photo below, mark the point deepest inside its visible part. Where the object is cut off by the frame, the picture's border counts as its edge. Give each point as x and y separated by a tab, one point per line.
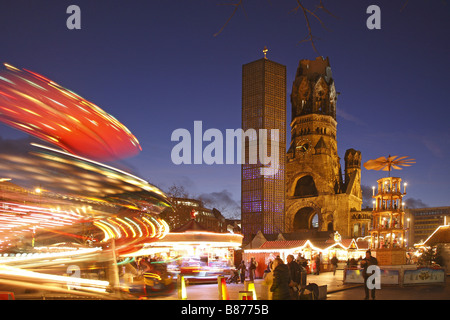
387	276
424	276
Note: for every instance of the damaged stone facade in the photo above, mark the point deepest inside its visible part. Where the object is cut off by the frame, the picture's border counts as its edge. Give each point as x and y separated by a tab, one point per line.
318	195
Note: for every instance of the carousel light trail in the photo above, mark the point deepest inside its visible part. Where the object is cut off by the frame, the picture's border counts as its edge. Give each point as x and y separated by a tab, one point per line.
32	103
94	210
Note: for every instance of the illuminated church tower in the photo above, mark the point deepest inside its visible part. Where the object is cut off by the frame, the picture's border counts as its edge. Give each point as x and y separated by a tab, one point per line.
317	196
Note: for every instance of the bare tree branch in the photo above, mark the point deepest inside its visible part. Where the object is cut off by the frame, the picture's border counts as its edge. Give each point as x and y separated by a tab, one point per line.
177	191
236	7
321	6
306	10
404	5
307	13
310	38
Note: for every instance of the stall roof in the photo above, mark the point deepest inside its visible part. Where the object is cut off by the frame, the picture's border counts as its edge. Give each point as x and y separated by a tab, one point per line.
363	245
283	244
440	235
291	244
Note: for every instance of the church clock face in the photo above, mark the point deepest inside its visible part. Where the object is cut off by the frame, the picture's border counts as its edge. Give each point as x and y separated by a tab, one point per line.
303	146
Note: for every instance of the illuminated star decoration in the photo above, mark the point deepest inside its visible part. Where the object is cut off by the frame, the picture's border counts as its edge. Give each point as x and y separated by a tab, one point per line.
391	162
40	107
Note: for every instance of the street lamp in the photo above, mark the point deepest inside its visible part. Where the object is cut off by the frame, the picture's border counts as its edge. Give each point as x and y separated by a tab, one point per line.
408	234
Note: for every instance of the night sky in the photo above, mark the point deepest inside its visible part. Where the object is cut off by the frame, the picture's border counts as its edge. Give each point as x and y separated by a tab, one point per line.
156	66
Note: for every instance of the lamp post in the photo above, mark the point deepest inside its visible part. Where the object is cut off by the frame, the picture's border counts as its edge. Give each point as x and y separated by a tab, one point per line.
407	230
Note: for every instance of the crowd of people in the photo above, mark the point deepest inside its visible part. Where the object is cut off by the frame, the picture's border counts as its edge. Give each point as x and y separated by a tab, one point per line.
309	265
287	280
281	279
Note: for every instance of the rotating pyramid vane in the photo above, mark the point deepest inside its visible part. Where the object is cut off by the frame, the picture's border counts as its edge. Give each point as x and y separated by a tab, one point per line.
388	163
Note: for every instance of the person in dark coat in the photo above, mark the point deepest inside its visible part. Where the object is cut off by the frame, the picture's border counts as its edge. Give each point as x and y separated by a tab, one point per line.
295	273
317	264
281	279
252	268
365	263
334	263
294	270
242	269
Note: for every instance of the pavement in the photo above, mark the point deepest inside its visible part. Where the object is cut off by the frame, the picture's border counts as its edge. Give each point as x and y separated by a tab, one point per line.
334	284
336	290
417	292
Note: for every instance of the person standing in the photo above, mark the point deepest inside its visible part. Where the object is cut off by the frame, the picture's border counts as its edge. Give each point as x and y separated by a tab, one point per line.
252	268
295	273
302	261
281	279
266	294
317	264
268	269
242	270
365	263
334	263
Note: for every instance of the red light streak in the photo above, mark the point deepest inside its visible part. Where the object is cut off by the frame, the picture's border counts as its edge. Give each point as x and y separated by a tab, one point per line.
98	135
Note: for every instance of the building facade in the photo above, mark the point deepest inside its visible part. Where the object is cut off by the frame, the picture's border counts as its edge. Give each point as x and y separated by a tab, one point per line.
263	107
424	221
318	196
186	209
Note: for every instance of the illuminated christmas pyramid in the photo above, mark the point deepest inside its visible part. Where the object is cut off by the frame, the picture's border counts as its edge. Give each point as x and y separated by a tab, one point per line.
388	216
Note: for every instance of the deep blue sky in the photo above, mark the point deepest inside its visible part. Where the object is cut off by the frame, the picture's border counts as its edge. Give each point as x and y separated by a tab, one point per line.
156	66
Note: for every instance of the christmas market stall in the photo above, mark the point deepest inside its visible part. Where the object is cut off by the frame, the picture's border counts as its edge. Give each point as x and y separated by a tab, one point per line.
307	250
195	253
